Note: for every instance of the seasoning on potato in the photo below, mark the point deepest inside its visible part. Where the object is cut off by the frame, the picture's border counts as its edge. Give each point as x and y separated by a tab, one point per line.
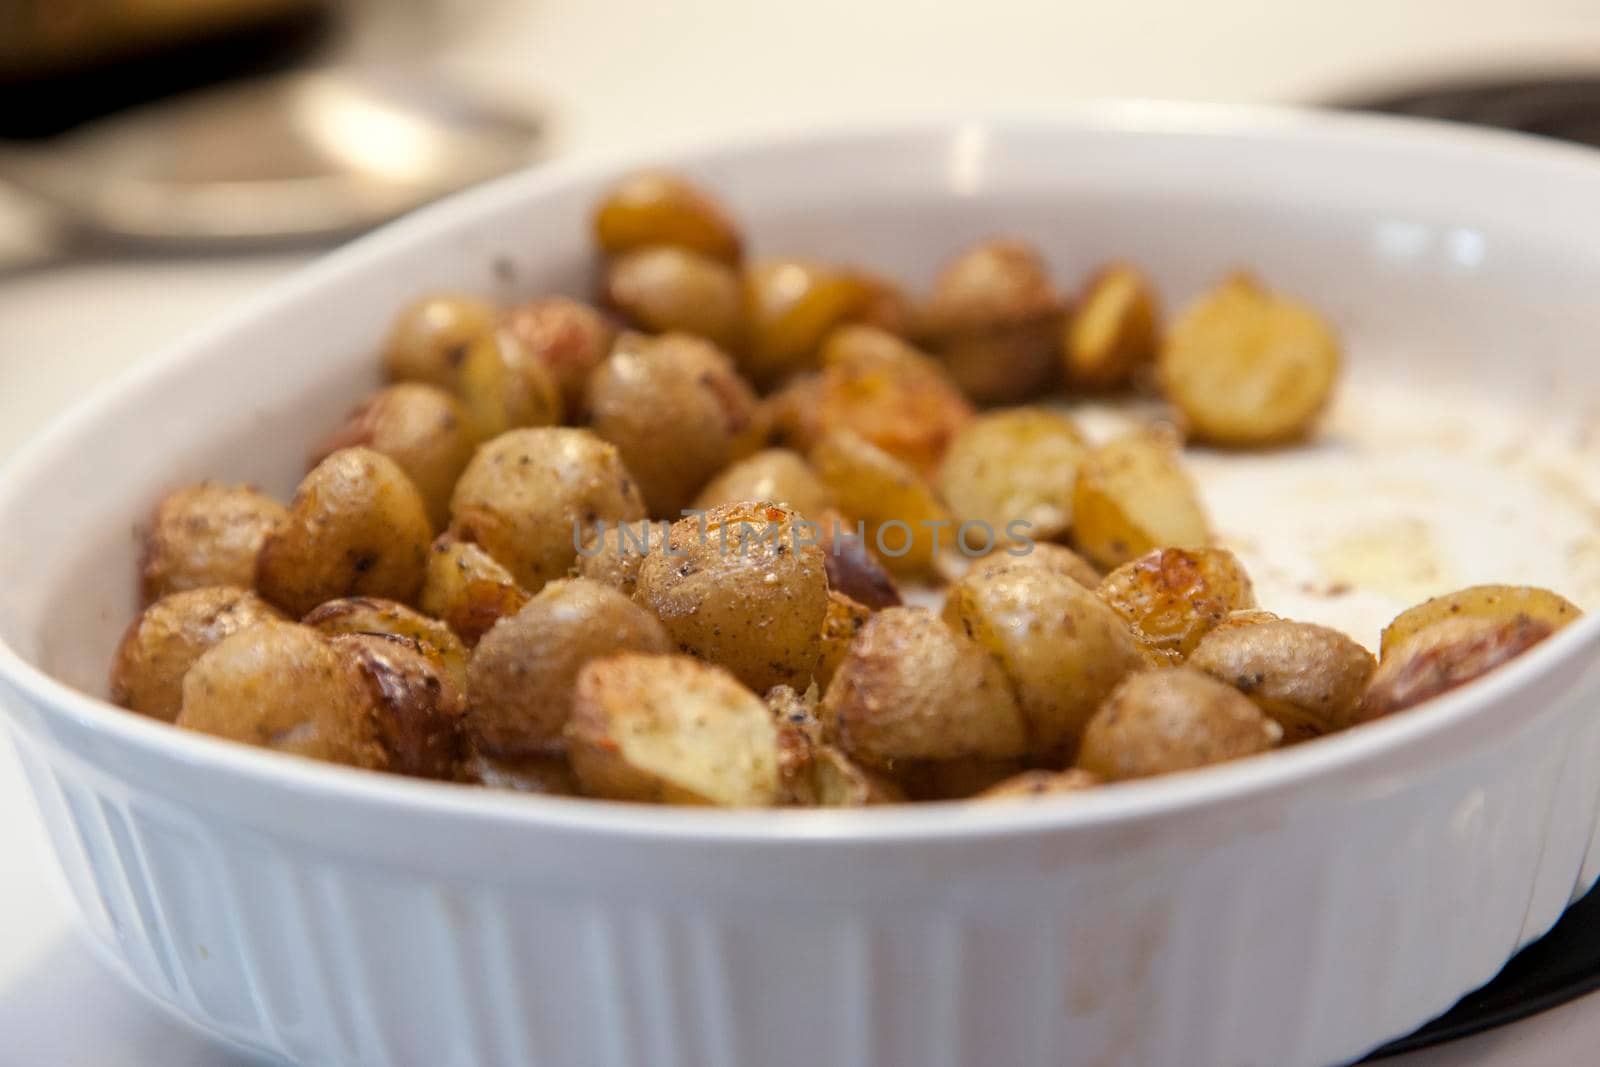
1161	721
614	556
430	336
1112	333
777	474
1481	601
466	589
1444	655
659	208
1132	495
1020	464
567	336
665	289
1172	597
206	535
1058	558
1309	679
168	636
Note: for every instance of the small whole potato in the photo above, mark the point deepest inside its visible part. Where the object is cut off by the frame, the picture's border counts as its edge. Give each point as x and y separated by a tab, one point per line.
777	474
522	673
911	688
466	589
904	519
659	208
425	430
661	288
1172	597
1041	784
1057	558
1061	648
852	568
284	686
1161	721
1307	678
531	497
1444	655
371	615
743	587
357	527
567	336
1133	495
1249	368
614	556
1480	601
430	336
790	307
1112	334
673	730
677	412
418	706
206	535
1020	464
993	317
168	636
503	386
844	620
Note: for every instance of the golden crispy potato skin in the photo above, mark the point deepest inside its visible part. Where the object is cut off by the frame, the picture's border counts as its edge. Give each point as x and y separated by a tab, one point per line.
911	688
1444	655
357	527
673	730
904	519
661	288
1133	495
1058	558
659	208
777	474
373	615
418	703
1161	721
790	307
811	772
677	412
430	337
503	386
1060	647
168	636
1308	678
522	673
1249	368
567	336
747	590
284	686
844	620
530	497
1112	333
1017	464
207	534
1041	784
614	557
1480	601
1172	597
466	589
424	429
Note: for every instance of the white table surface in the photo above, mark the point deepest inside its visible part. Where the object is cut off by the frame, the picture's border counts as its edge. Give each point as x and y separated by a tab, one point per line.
617	73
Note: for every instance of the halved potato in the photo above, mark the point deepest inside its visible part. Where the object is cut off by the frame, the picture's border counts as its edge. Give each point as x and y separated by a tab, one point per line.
162	644
1112	332
1310	679
467	589
904	518
207	535
1446	654
374	615
1161	721
1014	466
1481	601
1173	597
1133	495
1040	784
417	704
844	620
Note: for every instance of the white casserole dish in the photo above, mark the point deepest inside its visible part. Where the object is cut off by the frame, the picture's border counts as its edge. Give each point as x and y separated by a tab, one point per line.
1298	908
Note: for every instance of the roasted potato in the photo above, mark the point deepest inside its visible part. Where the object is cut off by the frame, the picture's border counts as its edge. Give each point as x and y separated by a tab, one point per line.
744	587
613	558
911	688
1172	597
658	208
430	336
532	497
168	636
904	518
790	307
521	676
1443	655
661	288
1133	495
1050	557
549	775
1480	601
1308	678
434	640
881	304
1157	722
207	535
1247	367
674	730
852	568
417	705
677	412
466	589
1040	784
1061	648
1112	333
776	474
844	620
568	336
837	781
1017	466
813	773
504	386
425	430
357	527
953	779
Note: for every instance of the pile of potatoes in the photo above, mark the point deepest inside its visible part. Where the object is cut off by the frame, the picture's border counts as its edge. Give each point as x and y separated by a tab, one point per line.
653	549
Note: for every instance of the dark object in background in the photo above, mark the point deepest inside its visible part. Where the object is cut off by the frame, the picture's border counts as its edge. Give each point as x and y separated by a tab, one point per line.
64	62
1567	108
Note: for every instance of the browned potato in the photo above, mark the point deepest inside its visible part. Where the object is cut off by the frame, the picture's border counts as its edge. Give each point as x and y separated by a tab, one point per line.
1481	601
549	775
1172	597
658	208
677	412
662	288
1247	367
371	615
911	688
993	317
881	304
1133	495
505	386
844	620
673	730
466	589
1013	467
1057	558
852	568
207	534
953	779
613	558
771	474
1157	722
1310	679
1112	333
522	673
431	335
284	686
743	587
790	307
812	772
357	527
417	705
904	519
164	641
531	497
568	336
1041	784
1443	655
1060	647
424	429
